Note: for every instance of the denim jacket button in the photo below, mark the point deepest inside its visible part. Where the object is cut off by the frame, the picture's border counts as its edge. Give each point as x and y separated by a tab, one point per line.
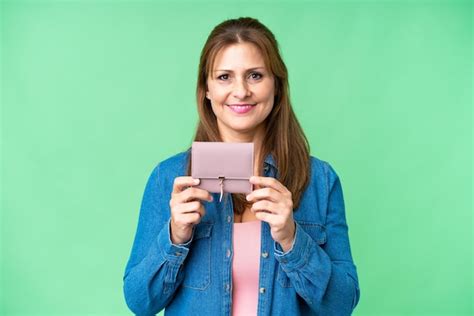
227	287
265	254
229	219
262	290
227	253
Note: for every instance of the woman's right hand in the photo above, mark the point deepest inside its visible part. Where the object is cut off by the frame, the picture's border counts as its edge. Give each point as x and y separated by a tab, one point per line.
186	208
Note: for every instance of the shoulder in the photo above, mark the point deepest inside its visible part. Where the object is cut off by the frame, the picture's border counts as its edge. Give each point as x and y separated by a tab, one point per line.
165	171
175	162
313	206
171	167
322	172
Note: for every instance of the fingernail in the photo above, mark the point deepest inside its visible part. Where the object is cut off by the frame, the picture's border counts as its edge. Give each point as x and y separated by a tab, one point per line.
196	181
247	197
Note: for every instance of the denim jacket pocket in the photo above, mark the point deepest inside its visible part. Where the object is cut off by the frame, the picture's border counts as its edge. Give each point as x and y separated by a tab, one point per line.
318	233
197	266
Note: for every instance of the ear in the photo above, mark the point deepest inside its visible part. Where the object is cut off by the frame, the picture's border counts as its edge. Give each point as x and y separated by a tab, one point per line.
207	95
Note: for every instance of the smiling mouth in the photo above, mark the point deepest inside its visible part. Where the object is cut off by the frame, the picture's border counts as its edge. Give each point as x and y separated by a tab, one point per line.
241	108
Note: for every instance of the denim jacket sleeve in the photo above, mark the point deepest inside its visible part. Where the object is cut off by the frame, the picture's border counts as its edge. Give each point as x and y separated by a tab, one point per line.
324	276
153	270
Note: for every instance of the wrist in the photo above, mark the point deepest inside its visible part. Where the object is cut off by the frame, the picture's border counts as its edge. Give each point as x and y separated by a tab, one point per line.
175	238
178	241
287	243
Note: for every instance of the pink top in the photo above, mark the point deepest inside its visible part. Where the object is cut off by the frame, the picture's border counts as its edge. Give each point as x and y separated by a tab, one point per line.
245	268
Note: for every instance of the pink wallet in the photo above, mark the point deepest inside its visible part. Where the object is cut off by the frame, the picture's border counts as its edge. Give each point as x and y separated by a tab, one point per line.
223	167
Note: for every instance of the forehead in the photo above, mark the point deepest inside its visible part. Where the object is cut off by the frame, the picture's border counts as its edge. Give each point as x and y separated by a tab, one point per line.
236	56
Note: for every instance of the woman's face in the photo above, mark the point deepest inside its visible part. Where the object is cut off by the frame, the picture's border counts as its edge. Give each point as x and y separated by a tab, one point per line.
241	90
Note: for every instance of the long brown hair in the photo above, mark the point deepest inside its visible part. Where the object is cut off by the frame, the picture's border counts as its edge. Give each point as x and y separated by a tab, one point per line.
284	137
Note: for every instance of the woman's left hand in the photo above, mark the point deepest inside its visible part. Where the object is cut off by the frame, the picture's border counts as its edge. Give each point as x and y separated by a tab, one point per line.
273	203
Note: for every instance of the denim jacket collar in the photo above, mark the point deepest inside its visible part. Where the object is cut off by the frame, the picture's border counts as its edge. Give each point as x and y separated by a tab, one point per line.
269	160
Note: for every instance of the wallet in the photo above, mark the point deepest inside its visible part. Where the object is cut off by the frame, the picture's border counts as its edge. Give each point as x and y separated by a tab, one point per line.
223	167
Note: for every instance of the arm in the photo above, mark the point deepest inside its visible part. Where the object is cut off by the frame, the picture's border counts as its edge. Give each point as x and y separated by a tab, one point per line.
153	272
324	276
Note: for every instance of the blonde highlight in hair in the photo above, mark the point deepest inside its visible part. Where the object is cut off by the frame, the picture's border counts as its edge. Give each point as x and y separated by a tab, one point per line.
284	138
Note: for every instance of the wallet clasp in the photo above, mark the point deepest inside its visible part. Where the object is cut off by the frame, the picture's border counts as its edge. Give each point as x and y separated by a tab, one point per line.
221	183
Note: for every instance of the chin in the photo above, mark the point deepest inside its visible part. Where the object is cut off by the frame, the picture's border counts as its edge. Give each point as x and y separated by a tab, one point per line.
243	128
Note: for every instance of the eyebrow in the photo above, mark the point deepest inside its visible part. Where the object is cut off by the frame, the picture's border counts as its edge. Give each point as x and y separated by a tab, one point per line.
250	69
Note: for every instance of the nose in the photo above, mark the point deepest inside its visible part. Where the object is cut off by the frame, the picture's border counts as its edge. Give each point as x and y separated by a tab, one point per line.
241	89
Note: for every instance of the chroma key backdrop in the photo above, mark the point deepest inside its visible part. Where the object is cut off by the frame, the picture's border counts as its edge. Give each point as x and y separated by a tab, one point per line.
94	93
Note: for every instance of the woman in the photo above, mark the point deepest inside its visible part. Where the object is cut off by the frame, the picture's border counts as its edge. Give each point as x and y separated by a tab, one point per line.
283	249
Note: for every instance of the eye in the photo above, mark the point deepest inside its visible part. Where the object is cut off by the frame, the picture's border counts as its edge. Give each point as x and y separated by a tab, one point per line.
223	77
256	75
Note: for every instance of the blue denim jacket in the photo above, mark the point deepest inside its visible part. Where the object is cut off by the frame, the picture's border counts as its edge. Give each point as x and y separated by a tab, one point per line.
317	276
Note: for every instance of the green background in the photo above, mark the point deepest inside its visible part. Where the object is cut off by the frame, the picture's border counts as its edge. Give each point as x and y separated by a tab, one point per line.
95	94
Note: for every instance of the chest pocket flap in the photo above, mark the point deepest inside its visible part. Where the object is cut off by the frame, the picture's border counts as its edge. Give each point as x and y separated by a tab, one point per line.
202	230
315	230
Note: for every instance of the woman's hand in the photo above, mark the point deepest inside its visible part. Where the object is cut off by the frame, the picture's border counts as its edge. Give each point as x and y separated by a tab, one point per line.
186	208
273	204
